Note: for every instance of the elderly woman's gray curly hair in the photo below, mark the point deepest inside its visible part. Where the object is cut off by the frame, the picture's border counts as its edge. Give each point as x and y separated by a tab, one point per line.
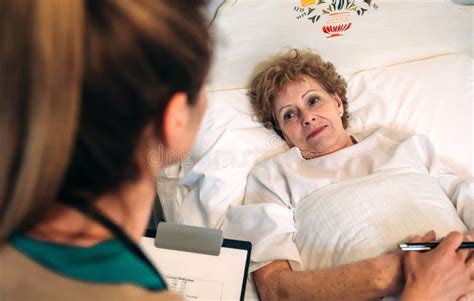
291	67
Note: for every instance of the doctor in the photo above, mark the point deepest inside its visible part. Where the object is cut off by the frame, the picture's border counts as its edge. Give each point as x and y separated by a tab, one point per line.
96	97
89	92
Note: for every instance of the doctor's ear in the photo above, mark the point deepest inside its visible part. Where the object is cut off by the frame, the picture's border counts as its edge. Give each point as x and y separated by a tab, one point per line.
175	120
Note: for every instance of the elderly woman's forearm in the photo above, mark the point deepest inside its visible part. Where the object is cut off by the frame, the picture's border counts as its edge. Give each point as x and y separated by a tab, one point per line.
364	280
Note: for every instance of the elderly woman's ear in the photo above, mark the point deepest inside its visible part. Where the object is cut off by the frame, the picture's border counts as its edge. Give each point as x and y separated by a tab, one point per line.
340	105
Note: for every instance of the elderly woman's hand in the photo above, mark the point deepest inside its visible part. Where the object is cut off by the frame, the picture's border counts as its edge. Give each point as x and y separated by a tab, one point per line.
444	273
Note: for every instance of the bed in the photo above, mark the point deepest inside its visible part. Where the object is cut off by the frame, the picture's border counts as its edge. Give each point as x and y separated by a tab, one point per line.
409	66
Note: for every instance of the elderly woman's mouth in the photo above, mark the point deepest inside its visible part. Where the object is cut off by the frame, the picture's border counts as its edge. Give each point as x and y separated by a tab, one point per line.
316	132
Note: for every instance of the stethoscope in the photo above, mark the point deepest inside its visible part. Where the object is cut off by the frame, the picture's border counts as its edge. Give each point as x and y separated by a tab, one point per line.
83	206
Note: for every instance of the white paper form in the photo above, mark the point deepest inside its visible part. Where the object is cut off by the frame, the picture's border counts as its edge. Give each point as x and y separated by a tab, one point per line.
199	276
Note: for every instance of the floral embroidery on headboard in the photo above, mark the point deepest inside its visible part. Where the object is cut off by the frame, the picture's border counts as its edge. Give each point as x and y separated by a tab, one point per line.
337	13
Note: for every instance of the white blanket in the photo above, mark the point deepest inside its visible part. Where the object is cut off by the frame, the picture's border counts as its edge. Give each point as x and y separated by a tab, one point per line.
366	217
350	205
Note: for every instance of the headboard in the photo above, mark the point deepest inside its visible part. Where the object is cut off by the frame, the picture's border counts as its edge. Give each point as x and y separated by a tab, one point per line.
380	33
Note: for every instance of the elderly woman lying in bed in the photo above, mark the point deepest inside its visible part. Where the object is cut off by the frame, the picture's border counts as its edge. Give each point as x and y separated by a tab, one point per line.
323	215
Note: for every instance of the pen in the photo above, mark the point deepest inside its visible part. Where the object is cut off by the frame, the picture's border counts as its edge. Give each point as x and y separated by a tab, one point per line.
426	246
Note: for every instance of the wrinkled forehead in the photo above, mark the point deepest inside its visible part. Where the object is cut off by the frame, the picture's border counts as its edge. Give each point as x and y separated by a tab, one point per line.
294	90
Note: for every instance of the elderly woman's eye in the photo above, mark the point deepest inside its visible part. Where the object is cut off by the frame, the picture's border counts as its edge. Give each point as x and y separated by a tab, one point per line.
313	100
288	115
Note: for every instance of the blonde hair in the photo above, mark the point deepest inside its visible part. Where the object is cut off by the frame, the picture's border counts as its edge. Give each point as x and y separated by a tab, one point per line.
40	71
79	81
277	73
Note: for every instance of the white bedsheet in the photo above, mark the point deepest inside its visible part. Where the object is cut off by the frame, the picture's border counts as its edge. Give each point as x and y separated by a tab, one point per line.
251	31
350	205
432	96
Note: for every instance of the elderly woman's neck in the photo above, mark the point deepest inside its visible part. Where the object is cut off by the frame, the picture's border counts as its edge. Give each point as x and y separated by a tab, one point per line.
310	154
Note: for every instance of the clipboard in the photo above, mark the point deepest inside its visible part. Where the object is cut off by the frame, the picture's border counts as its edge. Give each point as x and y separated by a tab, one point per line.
199	262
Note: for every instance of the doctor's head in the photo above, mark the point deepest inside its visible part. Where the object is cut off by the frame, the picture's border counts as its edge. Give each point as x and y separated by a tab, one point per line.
304	100
89	89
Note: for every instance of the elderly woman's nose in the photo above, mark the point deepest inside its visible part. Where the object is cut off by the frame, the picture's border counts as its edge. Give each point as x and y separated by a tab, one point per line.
308	119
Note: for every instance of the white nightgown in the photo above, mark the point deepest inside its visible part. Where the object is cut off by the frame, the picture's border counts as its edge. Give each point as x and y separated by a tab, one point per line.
353	204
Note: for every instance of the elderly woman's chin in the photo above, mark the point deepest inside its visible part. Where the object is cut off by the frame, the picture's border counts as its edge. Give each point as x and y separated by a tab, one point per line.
321	145
315	149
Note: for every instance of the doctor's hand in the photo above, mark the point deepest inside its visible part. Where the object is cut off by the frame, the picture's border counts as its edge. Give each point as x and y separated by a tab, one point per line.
468	236
444	273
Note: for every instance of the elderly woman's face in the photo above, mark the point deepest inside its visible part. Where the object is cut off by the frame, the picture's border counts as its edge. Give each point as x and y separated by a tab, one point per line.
310	118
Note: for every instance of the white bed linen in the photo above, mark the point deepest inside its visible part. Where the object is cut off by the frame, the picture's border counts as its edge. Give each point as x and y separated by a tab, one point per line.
251	31
432	96
229	144
350	205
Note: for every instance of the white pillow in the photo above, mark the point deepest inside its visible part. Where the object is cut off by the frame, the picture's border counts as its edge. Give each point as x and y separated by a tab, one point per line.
230	142
251	31
432	96
212	8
